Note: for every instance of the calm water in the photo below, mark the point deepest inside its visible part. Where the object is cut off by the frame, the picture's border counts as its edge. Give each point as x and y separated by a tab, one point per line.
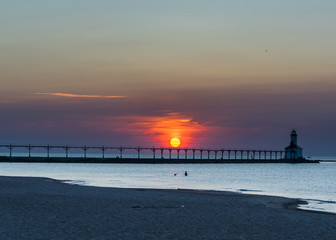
314	182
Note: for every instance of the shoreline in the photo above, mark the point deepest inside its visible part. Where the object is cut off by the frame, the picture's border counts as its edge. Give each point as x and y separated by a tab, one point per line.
37	208
300	204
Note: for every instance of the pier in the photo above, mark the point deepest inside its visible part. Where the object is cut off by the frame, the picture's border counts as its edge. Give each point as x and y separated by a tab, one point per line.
180	153
121	154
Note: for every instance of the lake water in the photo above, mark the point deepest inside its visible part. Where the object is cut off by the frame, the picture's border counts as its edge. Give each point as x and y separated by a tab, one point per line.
313	182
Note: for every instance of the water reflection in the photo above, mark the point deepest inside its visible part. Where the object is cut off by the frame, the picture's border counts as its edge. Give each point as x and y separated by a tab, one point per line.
305	181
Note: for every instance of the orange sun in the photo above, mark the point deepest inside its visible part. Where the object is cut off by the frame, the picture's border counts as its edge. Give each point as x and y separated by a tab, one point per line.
175	142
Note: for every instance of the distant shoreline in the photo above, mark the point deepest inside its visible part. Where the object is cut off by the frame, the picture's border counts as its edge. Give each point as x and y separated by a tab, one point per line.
147	160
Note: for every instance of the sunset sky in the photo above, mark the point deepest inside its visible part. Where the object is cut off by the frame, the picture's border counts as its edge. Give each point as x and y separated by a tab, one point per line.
215	73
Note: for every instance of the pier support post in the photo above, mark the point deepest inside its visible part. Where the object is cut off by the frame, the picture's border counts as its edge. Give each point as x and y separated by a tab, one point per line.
161	153
170	153
138	150
29	150
186	153
229	154
222	154
178	153
66	148
10	150
153	149
121	152
259	155
193	153
103	152
85	148
235	155
201	151
48	150
208	154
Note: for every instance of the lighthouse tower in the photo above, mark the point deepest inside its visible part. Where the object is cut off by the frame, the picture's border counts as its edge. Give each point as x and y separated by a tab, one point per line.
293	151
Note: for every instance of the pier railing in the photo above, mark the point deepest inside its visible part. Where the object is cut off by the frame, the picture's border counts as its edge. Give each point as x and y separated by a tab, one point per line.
179	153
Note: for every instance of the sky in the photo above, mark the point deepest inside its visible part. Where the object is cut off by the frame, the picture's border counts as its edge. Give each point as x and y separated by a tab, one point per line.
215	73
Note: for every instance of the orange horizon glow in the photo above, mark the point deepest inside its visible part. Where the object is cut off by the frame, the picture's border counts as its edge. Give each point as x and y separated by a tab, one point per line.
162	129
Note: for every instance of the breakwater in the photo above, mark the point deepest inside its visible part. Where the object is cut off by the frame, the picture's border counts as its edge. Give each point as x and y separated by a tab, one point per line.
146	160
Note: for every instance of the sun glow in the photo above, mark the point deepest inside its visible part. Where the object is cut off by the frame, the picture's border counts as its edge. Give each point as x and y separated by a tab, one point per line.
175	142
160	130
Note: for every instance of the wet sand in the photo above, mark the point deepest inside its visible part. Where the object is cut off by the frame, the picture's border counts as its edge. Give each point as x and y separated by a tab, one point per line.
41	208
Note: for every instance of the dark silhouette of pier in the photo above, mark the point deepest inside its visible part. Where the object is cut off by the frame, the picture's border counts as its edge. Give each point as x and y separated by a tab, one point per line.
157	153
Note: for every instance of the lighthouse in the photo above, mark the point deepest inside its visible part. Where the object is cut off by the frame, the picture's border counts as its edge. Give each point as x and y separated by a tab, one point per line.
293	151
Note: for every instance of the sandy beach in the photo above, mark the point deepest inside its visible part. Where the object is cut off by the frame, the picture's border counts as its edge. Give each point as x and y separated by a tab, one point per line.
41	208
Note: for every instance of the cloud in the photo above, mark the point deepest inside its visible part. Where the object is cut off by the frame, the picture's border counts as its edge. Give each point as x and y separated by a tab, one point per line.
156	130
70	95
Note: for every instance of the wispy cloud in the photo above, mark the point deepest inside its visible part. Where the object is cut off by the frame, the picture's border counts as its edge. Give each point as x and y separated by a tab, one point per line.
70	95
